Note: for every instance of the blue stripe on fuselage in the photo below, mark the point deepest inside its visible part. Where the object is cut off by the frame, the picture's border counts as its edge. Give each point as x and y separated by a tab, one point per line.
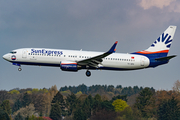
152	57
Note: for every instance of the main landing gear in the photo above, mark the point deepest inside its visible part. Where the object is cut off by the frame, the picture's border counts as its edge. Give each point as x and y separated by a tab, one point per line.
88	73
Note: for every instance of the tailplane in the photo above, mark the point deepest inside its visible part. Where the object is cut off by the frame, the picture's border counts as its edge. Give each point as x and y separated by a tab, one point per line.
161	46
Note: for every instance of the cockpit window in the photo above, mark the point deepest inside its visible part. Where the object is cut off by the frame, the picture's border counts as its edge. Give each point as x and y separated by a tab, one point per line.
13	52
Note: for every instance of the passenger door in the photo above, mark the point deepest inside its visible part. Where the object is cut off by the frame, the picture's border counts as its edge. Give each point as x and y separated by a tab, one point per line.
24	54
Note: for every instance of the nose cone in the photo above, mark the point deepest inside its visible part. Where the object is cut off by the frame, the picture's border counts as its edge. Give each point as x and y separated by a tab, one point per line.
6	57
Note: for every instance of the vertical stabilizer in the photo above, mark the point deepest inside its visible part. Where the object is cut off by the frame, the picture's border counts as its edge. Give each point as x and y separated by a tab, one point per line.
161	46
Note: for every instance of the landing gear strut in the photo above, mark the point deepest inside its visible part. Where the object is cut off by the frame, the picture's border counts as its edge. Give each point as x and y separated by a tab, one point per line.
88	73
19	69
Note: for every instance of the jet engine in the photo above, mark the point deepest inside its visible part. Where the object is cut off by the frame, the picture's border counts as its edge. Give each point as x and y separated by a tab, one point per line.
68	66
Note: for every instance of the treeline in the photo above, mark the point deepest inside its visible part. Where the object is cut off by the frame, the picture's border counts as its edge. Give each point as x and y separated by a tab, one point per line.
101	89
97	102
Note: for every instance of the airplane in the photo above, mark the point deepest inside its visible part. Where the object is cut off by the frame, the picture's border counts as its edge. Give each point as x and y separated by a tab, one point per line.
74	60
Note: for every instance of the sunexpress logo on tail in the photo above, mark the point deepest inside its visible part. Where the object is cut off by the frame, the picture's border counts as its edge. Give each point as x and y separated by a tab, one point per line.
44	51
163	39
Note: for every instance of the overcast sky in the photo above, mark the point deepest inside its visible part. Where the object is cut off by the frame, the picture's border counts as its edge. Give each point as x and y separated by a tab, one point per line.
88	25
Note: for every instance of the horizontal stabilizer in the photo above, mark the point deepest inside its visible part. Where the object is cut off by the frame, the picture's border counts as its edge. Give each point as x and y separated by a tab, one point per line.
165	58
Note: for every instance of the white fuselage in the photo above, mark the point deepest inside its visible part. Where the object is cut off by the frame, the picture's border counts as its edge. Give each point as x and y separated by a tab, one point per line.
53	57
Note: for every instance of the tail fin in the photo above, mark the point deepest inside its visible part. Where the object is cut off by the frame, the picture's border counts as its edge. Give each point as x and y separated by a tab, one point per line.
161	46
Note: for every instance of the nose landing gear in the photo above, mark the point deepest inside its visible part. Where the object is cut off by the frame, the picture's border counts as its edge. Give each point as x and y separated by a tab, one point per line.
19	69
88	73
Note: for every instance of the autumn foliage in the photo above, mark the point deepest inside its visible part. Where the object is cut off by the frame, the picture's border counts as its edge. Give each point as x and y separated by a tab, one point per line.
97	102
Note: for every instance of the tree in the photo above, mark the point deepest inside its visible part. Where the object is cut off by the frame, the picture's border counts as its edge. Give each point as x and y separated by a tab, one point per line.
27	99
18	117
40	102
97	97
122	97
127	114
143	100
119	105
107	105
110	88
79	115
26	111
71	102
55	112
14	92
104	115
35	90
119	86
6	106
58	98
17	105
87	105
176	86
97	103
169	110
3	115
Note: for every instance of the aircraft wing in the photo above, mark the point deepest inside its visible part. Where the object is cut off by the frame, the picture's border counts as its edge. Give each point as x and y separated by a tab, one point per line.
94	61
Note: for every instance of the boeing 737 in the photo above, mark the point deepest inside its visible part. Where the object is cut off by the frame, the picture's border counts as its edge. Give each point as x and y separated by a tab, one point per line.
74	60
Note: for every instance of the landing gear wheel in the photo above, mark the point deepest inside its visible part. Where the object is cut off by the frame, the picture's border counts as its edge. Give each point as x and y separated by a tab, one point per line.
88	73
19	69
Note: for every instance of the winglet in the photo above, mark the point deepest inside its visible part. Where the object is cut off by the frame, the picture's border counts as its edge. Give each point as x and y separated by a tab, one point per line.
113	50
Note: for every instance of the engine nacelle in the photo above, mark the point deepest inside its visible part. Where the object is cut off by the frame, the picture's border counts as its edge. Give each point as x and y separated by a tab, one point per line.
68	66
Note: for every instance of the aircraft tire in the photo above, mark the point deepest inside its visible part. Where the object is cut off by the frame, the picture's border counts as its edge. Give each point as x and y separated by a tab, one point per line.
19	69
88	73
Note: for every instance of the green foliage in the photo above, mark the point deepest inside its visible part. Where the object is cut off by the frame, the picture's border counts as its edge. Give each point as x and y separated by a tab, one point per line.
107	105
143	100
29	92
97	103
127	114
103	89
87	106
17	105
34	118
55	112
104	115
110	88
71	103
79	93
82	88
79	115
58	98
35	90
6	106
27	99
18	117
122	97
3	115
65	93
97	97
169	110
119	105
14	92
100	106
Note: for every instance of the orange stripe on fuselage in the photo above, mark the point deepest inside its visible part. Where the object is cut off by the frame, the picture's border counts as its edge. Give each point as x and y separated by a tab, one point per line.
148	52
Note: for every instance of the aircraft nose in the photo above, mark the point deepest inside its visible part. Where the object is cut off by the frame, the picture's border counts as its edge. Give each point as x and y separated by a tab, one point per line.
5	57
